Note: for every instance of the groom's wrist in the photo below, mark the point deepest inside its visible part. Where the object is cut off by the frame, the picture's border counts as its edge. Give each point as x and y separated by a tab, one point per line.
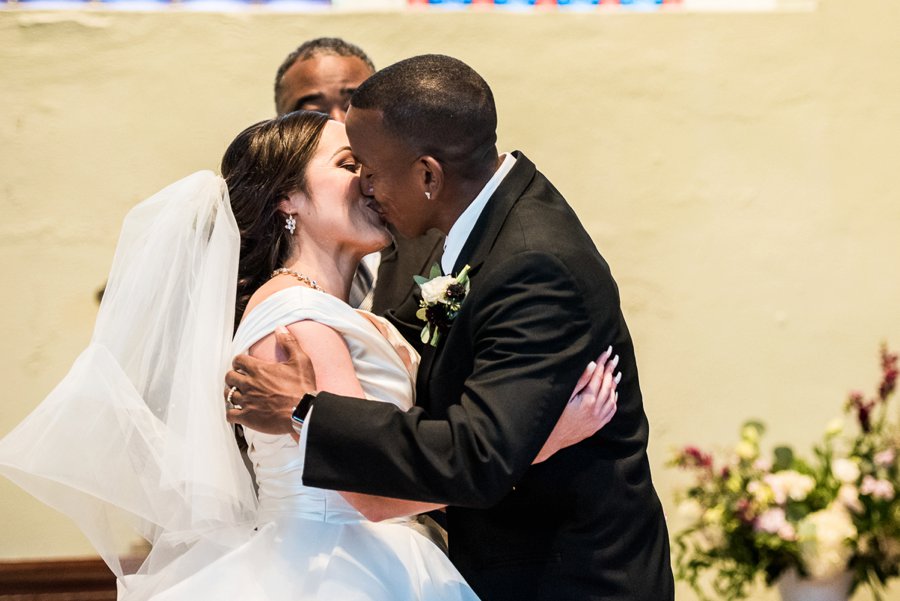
301	411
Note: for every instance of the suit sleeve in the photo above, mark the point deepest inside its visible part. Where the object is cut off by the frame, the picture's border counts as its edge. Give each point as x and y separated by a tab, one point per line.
531	337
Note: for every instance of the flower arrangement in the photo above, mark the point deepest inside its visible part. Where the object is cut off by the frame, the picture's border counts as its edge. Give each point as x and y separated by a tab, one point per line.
752	514
442	297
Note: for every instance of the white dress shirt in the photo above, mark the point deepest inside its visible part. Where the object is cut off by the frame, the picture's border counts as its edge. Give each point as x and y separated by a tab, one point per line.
372	261
462	227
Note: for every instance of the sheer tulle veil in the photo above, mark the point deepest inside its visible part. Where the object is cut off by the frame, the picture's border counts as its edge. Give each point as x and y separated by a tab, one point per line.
134	439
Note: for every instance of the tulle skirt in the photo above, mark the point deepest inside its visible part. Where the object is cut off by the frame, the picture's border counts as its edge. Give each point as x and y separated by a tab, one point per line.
300	559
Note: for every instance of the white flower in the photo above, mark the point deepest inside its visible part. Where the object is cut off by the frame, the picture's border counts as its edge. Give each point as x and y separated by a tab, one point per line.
885	458
755	488
877	489
775	522
789	484
690	510
761	493
824	537
771	520
848	495
434	291
763	464
845	470
787	532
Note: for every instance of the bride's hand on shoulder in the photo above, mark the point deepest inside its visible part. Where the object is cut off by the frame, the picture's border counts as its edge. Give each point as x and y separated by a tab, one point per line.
591	406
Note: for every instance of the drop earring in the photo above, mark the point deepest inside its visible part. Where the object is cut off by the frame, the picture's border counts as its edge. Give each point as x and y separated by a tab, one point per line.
290	224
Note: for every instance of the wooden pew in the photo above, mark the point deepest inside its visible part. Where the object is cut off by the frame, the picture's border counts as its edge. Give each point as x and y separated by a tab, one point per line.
57	580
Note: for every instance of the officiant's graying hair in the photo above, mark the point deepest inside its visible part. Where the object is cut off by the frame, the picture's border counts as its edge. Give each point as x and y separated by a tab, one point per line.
263	165
440	107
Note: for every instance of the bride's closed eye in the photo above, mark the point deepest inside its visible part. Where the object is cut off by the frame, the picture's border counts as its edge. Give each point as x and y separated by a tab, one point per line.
351	166
346	160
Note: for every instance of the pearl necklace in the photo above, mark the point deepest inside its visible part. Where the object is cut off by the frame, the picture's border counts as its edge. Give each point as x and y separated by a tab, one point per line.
303	279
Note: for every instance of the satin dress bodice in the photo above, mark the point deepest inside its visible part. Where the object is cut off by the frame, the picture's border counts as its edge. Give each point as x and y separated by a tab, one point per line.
385	365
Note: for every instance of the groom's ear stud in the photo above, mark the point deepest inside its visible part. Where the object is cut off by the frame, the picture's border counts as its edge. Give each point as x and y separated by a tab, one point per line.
428	195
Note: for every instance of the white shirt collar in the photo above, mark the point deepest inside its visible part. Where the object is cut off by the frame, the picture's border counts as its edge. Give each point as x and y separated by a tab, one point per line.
462	227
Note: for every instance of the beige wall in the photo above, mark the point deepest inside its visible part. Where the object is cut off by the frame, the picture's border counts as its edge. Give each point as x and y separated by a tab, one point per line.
740	173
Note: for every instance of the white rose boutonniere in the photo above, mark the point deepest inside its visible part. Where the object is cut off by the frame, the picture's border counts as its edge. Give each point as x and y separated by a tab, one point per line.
442	296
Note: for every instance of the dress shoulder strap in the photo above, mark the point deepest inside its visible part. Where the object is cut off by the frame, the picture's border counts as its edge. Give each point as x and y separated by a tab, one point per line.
296	303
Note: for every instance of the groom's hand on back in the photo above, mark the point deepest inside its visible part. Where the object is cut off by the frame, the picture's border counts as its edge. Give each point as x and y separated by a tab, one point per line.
264	394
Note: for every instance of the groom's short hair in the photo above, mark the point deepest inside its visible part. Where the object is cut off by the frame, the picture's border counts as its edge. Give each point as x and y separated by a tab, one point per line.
438	105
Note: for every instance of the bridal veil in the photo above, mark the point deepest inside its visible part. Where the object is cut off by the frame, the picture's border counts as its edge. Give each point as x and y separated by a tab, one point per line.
134	439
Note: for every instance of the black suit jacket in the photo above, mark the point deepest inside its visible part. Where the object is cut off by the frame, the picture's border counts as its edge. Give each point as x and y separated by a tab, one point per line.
396	295
585	524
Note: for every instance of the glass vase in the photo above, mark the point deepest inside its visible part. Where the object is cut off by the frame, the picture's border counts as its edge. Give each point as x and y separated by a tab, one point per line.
795	588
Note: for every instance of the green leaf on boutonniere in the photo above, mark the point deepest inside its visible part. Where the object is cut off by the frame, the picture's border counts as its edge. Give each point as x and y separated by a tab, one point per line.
435	271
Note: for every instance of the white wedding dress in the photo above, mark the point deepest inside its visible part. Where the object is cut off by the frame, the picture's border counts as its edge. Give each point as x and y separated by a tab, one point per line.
311	543
134	438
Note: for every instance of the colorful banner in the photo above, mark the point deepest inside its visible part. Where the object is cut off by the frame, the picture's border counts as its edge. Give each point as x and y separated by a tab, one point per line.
306	5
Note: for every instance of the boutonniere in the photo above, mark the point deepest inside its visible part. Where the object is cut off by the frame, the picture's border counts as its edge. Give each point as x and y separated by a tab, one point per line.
442	296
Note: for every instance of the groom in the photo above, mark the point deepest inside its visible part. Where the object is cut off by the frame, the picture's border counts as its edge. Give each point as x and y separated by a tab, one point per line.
585	524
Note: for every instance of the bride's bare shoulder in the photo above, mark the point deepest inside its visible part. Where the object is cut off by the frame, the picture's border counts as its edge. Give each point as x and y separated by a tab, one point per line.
326	349
266	290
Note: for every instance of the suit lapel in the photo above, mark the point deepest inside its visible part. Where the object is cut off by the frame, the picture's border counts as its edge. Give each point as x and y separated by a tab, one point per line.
389	253
426	360
396	293
483	235
479	244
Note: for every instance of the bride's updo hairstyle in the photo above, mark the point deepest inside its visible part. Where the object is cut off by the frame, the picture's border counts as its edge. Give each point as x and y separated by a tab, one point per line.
262	166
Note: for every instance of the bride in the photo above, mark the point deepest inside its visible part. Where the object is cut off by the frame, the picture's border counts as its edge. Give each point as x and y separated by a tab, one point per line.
135	437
